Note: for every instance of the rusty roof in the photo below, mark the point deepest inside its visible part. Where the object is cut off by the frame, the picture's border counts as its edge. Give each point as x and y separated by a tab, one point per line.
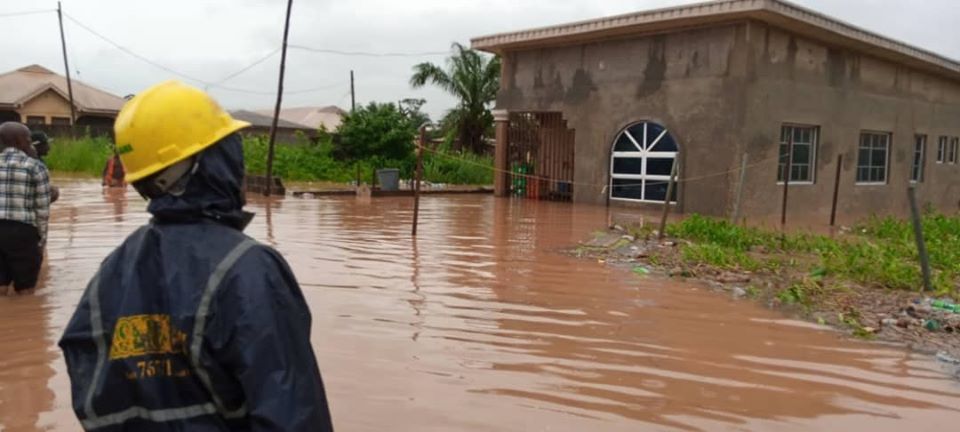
265	121
19	86
777	13
312	116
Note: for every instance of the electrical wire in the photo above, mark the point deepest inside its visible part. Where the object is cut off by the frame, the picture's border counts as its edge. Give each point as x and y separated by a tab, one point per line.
245	68
367	53
23	13
207	84
132	53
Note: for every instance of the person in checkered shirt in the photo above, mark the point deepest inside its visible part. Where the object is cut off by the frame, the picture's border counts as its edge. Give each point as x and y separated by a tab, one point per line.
24	208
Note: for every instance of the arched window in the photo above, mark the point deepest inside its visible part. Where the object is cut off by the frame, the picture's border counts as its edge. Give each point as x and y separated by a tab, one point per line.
643	155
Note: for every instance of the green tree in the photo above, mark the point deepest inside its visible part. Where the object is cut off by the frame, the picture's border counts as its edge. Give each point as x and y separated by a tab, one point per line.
410	107
474	79
377	132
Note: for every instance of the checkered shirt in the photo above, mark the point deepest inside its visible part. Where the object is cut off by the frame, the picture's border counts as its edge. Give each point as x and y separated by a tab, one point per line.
24	190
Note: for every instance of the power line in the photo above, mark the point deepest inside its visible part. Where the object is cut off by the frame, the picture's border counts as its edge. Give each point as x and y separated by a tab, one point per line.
246	68
369	54
131	53
33	12
206	83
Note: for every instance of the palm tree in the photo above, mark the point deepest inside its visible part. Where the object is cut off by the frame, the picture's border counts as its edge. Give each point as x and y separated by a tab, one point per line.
472	78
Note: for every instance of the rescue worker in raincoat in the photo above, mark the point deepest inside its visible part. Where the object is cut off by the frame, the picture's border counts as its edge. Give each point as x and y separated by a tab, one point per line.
190	325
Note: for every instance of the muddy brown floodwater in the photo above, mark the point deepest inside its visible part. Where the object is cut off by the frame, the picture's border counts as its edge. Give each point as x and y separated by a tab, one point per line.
479	325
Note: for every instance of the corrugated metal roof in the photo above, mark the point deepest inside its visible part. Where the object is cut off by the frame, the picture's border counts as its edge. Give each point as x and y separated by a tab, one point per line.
329	116
20	86
261	120
774	12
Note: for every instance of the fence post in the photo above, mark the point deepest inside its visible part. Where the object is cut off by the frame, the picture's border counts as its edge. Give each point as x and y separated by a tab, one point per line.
786	188
836	192
739	196
422	139
918	235
666	202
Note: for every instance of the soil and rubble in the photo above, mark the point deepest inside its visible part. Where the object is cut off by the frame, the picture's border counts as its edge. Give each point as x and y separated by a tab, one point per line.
912	319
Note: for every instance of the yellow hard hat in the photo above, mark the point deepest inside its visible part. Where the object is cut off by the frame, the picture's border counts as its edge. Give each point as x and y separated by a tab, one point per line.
166	124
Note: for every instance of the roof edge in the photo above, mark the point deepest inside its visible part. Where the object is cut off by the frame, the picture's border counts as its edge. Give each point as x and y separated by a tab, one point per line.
773	12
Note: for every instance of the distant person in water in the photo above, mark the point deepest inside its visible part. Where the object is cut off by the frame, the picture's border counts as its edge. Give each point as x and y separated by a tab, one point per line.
41	145
113	173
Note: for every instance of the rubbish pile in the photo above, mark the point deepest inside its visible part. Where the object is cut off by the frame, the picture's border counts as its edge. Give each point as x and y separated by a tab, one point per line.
934	315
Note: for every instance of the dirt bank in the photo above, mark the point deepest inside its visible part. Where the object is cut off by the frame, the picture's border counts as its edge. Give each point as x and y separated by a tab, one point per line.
920	322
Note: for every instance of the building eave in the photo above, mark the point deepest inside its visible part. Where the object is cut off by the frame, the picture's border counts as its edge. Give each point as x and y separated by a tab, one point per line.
776	13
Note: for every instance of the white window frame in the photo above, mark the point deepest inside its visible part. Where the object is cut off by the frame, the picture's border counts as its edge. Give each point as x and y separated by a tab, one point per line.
886	167
815	142
953	149
920	139
643	153
942	149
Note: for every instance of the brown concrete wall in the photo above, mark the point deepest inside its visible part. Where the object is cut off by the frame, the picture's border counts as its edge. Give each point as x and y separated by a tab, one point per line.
692	82
794	80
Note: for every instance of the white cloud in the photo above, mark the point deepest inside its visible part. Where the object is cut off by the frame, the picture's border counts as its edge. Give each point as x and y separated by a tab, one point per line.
210	39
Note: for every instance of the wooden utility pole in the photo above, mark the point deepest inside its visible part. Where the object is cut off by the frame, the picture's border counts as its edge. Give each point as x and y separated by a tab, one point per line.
66	65
276	109
418	172
918	234
666	203
836	191
735	214
786	186
353	96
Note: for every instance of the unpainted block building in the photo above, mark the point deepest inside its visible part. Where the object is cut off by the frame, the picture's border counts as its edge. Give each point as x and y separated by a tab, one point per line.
600	111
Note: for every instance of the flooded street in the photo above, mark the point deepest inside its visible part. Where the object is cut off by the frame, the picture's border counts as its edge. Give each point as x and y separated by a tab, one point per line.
480	325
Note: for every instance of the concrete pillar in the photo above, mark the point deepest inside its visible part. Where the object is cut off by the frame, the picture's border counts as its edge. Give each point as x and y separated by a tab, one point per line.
501	179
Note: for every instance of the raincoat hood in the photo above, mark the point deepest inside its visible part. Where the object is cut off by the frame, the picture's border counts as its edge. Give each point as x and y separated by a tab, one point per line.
215	190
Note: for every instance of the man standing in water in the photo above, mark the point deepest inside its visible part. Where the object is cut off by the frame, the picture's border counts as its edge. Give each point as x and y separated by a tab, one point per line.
190	324
24	209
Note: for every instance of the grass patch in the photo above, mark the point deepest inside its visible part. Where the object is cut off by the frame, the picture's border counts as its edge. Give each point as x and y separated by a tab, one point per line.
299	161
880	252
84	155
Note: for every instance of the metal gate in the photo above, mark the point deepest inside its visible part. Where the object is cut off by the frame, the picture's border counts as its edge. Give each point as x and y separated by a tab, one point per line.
540	156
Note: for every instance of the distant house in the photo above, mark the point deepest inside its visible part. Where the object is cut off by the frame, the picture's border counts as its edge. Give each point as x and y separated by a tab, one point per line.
260	125
314	117
37	96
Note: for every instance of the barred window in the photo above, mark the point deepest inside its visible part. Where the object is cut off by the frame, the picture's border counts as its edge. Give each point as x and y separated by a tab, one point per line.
803	163
872	157
919	158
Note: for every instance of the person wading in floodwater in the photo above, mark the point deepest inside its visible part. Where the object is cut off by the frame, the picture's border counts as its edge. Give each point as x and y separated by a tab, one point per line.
41	145
190	325
113	173
24	209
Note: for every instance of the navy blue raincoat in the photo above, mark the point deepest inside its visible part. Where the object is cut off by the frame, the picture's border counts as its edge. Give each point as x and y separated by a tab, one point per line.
190	325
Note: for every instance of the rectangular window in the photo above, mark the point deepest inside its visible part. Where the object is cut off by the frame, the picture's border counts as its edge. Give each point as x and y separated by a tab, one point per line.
36	120
941	149
872	158
953	149
60	121
919	158
803	162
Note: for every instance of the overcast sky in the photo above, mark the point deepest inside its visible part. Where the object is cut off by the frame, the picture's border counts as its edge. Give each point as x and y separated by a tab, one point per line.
209	40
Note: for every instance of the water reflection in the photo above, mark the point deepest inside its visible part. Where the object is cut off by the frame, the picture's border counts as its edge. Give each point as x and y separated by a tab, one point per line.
478	324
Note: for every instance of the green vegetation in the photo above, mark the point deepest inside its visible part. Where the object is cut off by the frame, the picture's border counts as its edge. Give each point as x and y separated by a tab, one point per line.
377	132
84	155
300	161
474	79
880	252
